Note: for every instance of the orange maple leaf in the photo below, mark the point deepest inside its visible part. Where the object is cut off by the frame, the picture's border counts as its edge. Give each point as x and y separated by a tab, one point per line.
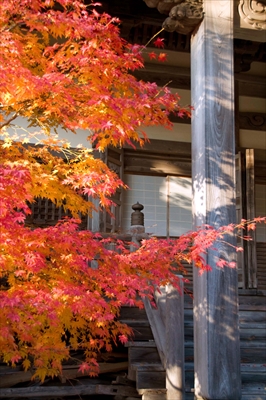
162	57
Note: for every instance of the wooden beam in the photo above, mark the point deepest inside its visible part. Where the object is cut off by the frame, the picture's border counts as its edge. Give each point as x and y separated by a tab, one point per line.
159	166
216	334
161	147
251	85
158	157
252	121
246	120
58	391
179	78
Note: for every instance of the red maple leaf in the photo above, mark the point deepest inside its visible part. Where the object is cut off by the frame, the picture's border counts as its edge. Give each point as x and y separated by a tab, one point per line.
123	339
84	367
159	43
152	55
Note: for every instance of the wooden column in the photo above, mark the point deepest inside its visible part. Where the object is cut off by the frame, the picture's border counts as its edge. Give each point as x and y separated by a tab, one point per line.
216	334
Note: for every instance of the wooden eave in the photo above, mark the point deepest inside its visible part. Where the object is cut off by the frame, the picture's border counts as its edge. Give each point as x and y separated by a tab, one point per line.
140	23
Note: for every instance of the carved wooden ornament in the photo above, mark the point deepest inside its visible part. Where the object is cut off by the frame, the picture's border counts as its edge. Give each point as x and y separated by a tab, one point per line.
252	14
184	15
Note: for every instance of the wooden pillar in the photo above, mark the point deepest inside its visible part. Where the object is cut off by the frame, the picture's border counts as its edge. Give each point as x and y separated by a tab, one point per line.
216	332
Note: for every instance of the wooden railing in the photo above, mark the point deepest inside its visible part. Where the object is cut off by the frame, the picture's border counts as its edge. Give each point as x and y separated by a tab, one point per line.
167	324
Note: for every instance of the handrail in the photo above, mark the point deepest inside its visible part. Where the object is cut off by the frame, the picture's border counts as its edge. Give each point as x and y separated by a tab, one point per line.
167	325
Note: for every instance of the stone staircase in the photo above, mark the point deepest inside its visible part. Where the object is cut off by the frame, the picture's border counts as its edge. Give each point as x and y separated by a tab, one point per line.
146	369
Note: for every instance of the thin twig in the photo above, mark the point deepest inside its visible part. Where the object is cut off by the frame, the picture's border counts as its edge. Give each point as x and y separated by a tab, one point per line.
154	36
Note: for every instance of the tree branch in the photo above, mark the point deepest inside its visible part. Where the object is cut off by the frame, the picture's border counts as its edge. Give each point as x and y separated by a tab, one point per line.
8	121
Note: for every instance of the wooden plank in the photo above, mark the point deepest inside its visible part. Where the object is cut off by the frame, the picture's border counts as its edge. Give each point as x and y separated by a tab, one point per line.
105	368
252	316
245	120
253	368
158	329
250	335
142	332
132	313
161	166
217	361
150	380
141	344
253	344
255	300
249	85
147	352
246	307
12	378
174	346
57	391
156	146
252	388
147	366
252	355
178	76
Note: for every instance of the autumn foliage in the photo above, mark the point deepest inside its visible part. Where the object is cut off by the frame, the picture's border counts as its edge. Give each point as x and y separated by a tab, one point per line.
63	64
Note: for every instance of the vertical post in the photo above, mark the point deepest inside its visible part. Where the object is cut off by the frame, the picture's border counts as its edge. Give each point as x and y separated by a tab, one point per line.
216	332
174	343
250	196
167	322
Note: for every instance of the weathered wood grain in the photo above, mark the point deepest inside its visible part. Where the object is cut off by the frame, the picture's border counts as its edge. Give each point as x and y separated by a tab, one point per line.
216	335
11	378
158	329
174	343
57	391
73	371
150	379
139	352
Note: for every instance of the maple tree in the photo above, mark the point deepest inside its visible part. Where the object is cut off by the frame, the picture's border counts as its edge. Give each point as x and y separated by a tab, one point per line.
63	64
